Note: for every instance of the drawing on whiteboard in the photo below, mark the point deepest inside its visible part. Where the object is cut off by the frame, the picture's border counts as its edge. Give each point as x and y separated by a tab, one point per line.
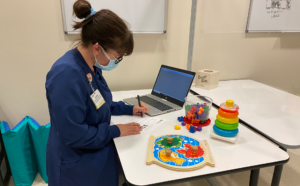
278	4
276	7
274	16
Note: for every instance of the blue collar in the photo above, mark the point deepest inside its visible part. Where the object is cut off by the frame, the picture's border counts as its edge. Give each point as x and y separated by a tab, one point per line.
85	67
83	63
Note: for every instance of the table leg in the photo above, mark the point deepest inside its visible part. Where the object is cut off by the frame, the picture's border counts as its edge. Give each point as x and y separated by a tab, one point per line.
254	177
277	175
211	182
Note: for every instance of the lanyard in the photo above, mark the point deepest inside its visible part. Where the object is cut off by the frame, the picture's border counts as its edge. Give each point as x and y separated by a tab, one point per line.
90	79
96	96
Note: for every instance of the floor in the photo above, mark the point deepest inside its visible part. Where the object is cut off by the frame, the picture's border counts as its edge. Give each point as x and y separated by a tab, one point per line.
290	176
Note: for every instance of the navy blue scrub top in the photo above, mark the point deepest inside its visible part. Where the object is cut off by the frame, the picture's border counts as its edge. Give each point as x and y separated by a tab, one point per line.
80	149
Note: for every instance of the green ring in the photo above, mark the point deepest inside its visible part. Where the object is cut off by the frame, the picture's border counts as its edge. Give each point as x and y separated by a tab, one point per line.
225	126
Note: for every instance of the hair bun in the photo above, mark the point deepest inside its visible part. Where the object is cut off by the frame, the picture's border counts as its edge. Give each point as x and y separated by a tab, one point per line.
82	8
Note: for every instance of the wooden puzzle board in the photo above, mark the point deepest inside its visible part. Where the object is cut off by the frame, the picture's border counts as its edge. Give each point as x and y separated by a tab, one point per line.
182	158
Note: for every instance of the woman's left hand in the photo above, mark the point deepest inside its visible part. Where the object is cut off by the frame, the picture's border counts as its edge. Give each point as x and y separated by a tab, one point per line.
137	110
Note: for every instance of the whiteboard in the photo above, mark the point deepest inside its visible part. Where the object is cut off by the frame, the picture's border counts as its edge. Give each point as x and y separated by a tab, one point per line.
143	16
274	16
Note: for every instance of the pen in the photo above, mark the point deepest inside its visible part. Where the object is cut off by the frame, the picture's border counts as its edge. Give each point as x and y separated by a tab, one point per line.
138	97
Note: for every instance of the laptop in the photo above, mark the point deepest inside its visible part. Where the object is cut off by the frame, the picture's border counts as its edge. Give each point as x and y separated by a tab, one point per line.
168	94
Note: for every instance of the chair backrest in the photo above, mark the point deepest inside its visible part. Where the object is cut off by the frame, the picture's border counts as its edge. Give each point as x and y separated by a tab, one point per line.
5	174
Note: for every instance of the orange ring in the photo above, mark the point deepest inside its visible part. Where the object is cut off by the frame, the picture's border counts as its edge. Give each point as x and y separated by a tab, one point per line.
228	114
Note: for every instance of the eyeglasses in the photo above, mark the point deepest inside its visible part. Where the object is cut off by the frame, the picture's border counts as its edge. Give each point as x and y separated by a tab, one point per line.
118	60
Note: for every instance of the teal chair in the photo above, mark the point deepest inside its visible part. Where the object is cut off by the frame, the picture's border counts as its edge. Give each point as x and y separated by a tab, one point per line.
26	145
20	152
39	135
5	174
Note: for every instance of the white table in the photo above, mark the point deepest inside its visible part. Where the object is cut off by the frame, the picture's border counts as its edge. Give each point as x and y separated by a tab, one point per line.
251	152
271	111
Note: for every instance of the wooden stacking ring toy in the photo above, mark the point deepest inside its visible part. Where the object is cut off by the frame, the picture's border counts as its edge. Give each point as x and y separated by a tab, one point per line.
225	133
228	114
227	120
226	126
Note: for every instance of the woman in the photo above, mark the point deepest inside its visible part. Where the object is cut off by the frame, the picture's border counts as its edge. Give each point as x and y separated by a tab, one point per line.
80	149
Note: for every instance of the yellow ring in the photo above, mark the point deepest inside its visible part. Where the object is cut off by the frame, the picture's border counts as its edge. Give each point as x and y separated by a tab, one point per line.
227	120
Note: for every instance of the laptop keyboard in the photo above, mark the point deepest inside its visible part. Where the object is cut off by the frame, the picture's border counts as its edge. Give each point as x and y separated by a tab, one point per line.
155	103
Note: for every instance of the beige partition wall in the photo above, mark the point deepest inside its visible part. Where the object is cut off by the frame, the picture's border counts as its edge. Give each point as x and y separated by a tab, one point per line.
32	39
222	44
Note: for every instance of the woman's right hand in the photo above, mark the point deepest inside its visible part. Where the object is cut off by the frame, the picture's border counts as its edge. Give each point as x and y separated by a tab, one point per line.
129	129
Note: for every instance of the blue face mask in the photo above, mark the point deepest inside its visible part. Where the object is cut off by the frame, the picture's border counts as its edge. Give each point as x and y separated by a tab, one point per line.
112	63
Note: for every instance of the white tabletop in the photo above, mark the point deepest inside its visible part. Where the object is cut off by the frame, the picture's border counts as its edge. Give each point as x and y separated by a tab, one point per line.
273	112
250	150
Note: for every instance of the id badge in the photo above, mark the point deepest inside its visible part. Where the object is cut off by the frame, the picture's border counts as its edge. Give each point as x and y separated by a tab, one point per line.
97	99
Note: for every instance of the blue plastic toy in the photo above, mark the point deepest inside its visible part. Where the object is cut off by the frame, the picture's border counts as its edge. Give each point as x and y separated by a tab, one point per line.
192	129
180	118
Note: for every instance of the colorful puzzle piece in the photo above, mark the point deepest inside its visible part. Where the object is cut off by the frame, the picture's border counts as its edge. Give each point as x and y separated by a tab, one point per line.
189	155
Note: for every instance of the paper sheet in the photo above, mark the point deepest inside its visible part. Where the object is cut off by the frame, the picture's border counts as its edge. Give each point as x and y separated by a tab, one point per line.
147	123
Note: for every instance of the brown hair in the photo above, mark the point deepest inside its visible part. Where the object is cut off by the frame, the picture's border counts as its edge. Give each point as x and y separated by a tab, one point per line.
105	28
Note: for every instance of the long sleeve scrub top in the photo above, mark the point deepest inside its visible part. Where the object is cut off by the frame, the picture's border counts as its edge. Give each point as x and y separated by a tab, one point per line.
80	150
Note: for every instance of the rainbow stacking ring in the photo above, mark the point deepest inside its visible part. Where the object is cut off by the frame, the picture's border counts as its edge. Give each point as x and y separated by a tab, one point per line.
227	120
228	114
226	126
229	106
225	133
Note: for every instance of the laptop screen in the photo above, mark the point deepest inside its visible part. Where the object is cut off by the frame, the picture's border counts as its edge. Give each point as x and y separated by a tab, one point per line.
172	83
